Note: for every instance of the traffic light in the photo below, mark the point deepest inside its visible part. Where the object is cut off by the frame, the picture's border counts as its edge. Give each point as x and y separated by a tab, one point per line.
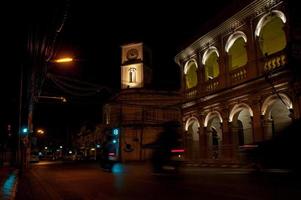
114	147
24	131
115	131
115	136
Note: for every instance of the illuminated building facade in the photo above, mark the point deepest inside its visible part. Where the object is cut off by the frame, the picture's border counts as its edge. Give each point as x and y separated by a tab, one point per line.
138	112
240	81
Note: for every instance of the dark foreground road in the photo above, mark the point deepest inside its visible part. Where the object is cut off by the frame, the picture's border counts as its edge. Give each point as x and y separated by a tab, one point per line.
87	181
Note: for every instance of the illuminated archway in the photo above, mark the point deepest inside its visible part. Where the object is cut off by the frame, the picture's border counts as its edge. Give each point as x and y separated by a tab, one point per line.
212	115
213	124
277	114
239	107
265	19
241	126
236	49
192	139
233	38
190	72
270	33
271	99
210	62
190	121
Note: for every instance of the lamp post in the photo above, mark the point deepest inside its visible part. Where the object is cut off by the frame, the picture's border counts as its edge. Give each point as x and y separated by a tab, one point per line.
22	131
23	142
20	118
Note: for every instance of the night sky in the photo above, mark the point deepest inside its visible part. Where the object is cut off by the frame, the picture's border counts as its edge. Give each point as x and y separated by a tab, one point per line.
93	32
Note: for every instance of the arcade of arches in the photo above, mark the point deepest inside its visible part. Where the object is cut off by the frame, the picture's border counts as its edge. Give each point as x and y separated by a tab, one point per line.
270	37
217	137
218	125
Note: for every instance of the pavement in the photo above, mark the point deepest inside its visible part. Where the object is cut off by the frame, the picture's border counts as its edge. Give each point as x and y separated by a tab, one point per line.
9	176
8	182
217	164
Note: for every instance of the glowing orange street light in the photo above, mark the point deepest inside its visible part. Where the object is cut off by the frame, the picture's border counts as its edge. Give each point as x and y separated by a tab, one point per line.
64	60
40	131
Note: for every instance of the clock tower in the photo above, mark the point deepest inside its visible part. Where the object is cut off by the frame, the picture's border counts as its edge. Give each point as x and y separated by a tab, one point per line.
135	66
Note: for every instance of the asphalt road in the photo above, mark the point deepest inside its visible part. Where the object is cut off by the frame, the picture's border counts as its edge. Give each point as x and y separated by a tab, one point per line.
87	181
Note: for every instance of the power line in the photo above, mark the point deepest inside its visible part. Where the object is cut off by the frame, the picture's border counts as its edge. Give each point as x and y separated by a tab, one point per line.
88	89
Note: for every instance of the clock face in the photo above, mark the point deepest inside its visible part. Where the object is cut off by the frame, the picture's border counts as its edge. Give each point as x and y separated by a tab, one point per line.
132	54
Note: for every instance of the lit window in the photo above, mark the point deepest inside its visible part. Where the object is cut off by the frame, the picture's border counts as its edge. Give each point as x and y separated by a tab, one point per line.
132	75
211	66
237	54
271	36
191	74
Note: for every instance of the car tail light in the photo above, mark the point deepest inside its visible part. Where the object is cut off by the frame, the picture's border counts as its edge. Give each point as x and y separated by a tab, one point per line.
177	150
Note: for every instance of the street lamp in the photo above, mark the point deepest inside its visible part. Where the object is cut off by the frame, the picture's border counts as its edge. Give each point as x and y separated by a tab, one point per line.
64	60
40	131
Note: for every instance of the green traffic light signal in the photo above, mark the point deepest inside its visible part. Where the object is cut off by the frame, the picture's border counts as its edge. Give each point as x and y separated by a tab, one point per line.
25	130
115	131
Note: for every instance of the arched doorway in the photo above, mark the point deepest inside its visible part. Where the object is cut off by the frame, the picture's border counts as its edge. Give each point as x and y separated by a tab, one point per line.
213	122
241	124
215	137
277	114
192	144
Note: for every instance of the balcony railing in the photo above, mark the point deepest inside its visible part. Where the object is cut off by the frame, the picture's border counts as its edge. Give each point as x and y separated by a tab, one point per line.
191	93
274	61
241	74
212	84
238	75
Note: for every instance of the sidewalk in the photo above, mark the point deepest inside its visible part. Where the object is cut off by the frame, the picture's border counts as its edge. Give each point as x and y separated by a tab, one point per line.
233	167
218	165
8	182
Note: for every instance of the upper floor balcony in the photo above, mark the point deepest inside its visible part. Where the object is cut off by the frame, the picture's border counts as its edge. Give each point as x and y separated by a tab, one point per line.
227	56
252	70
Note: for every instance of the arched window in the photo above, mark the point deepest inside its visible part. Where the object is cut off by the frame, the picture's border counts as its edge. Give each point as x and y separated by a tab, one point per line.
236	50
270	31
210	60
132	75
190	72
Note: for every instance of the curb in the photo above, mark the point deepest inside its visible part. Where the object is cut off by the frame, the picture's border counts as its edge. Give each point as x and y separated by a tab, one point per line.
216	165
8	192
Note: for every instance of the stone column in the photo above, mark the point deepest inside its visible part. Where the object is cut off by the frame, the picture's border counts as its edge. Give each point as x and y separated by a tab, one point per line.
223	65
257	123
252	49
202	142
226	152
267	128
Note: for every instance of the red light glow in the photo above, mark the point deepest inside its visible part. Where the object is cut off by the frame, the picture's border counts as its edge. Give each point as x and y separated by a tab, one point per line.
177	150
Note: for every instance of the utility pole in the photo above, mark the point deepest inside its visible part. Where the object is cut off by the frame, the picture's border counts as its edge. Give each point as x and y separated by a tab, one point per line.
19	155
